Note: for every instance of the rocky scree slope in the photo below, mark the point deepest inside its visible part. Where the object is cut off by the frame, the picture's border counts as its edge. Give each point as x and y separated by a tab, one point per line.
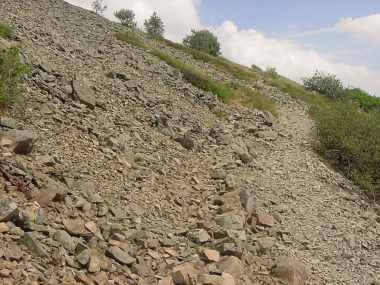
119	172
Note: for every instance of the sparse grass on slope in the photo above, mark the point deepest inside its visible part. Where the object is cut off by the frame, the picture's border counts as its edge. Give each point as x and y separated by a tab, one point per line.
11	74
196	77
238	71
237	94
5	31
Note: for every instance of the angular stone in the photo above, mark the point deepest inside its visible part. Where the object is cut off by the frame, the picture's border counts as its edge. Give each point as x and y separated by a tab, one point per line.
4	228
184	274
83	92
247	200
200	236
166	281
291	270
23	140
264	219
84	257
231	265
93	228
34	245
230	221
228	279
207	279
94	265
66	240
120	255
266	243
186	142
13	252
74	227
211	255
8	210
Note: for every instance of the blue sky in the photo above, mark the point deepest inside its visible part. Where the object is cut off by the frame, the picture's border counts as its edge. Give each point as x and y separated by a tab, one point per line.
296	37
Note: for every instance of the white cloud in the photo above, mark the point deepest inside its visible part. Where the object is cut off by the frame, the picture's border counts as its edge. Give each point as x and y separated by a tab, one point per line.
363	28
290	59
179	16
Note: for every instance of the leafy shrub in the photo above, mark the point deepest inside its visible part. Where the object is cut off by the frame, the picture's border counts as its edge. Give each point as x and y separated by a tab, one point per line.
11	74
350	139
365	101
154	26
325	84
126	17
256	68
5	31
203	41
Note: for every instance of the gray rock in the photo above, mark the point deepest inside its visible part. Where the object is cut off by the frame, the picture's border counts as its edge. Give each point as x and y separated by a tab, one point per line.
34	245
66	240
120	255
8	210
247	200
230	221
291	270
186	142
23	140
83	92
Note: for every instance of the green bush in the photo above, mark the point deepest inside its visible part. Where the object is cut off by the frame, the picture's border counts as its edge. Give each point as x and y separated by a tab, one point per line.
350	138
365	101
203	41
154	26
325	84
127	18
11	73
5	31
271	72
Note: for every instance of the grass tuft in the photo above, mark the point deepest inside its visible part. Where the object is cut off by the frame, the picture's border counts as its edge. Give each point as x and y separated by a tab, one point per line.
5	31
12	72
132	38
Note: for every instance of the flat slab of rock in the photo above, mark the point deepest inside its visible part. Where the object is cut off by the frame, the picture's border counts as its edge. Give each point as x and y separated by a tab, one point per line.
120	255
290	270
83	92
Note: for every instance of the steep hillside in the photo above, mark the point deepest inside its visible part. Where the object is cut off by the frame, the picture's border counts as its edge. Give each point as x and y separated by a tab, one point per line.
118	171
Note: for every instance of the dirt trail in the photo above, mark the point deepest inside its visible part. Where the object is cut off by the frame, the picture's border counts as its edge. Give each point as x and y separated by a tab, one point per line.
333	231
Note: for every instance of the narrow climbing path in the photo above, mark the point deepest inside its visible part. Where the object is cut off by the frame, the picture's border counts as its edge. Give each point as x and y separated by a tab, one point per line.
332	230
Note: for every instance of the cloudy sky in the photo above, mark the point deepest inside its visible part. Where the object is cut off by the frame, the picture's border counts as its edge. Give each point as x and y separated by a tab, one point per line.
295	36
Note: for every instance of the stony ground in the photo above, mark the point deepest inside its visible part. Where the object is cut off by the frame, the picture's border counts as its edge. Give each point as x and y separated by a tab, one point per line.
117	171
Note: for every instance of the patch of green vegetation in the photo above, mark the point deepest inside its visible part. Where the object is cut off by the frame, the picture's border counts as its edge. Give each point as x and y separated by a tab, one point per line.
196	77
12	72
347	135
365	100
237	70
254	99
350	139
5	31
132	38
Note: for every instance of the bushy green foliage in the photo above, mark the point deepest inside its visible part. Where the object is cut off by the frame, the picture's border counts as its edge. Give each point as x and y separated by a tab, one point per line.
350	138
325	84
236	70
256	68
203	40
5	31
365	101
11	74
127	18
132	38
98	7
154	26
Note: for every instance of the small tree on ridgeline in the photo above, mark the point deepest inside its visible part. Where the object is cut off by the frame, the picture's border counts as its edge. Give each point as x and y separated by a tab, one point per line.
154	26
204	41
126	17
98	7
